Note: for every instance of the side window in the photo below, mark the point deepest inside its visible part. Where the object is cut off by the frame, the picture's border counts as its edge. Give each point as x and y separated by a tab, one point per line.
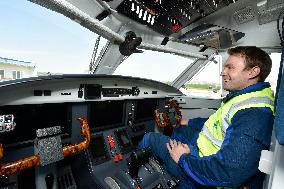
1	74
207	83
17	74
273	76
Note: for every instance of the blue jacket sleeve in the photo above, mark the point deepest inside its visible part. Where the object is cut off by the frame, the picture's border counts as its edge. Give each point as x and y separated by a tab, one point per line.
238	158
197	123
188	134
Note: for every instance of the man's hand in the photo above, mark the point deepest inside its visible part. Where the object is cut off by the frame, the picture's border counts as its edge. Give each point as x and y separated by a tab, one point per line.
176	149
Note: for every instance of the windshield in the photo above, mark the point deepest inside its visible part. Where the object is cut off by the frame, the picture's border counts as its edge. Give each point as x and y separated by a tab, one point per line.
157	66
37	41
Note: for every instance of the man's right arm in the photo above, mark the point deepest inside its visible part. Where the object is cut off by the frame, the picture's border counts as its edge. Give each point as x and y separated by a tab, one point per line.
188	132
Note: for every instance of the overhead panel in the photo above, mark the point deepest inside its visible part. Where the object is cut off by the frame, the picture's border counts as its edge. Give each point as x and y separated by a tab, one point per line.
211	35
167	16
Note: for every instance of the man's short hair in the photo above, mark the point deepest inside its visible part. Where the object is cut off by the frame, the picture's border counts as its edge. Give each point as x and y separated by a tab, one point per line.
254	56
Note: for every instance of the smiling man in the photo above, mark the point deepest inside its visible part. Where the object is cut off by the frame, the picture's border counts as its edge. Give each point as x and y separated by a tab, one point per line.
224	150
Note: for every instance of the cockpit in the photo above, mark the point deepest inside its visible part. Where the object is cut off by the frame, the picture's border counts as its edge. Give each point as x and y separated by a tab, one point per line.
64	130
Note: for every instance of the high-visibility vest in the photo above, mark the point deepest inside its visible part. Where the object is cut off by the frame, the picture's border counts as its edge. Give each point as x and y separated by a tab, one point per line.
213	133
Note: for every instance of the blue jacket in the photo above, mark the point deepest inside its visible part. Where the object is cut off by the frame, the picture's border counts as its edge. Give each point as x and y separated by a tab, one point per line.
237	160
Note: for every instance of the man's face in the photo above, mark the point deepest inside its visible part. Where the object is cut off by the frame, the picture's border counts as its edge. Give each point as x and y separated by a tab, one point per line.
234	74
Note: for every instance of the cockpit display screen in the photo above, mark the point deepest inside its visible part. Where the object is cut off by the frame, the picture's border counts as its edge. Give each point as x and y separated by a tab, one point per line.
106	114
145	109
98	149
30	117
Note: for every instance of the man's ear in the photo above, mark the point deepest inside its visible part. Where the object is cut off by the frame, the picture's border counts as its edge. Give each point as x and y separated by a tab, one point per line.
254	72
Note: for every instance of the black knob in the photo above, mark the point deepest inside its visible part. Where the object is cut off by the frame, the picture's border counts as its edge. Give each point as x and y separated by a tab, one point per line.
49	179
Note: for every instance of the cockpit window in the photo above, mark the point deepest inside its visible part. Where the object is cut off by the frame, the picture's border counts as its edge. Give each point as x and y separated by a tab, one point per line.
158	66
37	41
273	76
207	82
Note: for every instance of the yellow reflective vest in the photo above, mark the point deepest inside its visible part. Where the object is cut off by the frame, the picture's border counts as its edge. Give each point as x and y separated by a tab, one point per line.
213	133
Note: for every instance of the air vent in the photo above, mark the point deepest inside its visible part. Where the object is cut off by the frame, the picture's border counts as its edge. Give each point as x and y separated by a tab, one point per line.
271	3
42	92
47	92
37	92
270	14
65	179
244	15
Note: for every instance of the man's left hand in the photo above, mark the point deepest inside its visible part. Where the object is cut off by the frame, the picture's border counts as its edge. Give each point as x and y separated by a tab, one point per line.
176	149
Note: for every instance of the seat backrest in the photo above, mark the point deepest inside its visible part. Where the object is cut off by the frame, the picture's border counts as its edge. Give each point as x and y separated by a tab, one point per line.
274	159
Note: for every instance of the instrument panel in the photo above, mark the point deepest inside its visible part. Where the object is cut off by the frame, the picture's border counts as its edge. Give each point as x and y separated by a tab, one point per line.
117	123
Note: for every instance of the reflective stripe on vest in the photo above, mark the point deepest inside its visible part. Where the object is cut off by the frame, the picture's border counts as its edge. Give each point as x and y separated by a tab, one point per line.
235	106
214	140
227	119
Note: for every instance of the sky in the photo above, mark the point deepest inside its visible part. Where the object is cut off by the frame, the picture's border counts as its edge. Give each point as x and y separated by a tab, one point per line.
35	34
31	33
54	43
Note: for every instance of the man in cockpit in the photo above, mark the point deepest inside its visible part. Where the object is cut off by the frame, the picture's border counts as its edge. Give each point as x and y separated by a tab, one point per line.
224	150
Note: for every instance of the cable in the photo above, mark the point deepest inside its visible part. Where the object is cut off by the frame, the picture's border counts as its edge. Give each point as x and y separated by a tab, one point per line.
91	66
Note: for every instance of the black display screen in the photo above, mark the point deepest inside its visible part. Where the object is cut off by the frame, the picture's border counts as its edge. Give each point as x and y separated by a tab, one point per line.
92	91
98	149
29	118
106	114
145	109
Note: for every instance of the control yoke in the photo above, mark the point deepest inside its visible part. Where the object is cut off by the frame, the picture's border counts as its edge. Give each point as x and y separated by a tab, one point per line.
169	119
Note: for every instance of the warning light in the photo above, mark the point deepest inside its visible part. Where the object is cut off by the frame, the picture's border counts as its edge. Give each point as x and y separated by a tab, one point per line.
176	27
